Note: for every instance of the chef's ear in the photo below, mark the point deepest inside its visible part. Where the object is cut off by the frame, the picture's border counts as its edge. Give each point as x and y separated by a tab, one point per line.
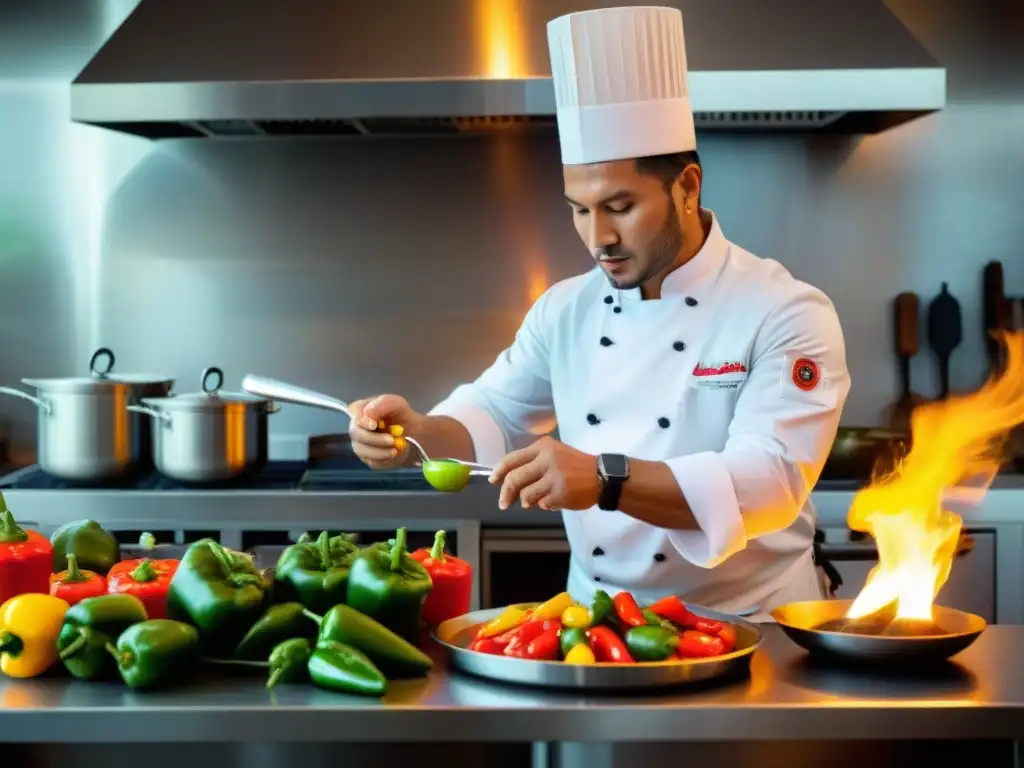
689	185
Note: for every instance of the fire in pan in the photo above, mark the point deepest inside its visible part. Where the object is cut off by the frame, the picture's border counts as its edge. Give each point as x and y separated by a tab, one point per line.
957	448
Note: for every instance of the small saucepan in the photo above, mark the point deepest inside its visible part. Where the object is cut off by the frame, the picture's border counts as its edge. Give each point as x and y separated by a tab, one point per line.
83	433
209	436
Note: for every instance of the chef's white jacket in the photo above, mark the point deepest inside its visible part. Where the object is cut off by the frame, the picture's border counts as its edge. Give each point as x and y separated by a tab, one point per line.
735	378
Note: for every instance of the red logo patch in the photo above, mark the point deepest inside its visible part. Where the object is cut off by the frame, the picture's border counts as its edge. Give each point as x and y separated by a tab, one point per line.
806	374
719	370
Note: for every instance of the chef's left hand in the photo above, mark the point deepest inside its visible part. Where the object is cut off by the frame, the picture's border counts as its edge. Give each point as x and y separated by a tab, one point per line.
549	474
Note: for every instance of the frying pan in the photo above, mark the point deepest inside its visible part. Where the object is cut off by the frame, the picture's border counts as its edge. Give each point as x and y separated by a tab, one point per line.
800	621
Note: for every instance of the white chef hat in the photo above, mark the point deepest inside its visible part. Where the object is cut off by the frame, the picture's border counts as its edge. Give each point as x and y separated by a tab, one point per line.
620	84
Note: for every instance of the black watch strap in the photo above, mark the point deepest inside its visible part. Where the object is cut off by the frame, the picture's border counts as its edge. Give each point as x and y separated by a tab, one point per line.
614	471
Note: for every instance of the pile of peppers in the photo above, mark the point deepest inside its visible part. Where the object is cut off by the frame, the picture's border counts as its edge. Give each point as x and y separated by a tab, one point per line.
609	631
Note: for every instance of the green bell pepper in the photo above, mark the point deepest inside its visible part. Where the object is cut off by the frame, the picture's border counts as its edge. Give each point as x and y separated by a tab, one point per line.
602	609
394	655
289	661
651	643
156	653
339	667
89	626
281	622
218	591
570	637
95	549
390	586
315	574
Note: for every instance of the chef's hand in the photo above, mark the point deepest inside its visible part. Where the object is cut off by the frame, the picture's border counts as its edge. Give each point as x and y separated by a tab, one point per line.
549	474
379	448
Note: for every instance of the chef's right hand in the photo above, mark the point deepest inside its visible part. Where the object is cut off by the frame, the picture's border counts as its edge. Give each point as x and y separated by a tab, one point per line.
378	447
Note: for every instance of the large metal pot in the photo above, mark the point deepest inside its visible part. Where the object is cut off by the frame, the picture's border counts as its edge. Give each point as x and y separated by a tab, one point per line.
209	436
84	432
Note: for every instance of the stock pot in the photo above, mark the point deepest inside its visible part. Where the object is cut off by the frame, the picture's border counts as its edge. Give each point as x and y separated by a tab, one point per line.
208	436
84	430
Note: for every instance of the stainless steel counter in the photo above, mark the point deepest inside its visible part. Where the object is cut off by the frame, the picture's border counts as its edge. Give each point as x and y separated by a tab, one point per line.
981	697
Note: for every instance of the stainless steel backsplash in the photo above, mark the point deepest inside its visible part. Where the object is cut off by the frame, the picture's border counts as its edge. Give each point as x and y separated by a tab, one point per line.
360	266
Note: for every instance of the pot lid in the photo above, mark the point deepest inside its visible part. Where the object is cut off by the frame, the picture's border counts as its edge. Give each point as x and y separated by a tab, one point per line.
210	399
102	379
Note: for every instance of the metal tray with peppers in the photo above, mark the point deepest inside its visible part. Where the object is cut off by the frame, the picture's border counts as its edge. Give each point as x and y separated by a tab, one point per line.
614	643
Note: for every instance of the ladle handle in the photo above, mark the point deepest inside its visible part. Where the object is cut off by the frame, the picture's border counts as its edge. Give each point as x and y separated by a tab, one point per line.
289	393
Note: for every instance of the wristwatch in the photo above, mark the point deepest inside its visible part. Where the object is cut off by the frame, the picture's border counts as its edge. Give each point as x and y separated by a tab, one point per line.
613	469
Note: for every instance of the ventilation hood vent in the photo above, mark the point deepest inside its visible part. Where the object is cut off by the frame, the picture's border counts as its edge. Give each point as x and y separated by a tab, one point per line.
265	68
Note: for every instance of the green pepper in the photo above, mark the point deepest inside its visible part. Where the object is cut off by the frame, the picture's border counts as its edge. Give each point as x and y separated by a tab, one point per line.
390	586
315	574
89	626
651	643
289	661
655	620
281	622
394	655
570	637
339	667
156	653
95	549
602	610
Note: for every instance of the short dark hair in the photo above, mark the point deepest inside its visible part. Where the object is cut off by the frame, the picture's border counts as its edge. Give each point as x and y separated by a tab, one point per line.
668	167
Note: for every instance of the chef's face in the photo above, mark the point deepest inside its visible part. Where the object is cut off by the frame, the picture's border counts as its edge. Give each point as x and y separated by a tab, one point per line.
631	222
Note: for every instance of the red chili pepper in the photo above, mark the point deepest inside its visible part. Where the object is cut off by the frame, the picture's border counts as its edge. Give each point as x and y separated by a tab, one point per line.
453	583
544	647
521	637
487	645
147	579
727	634
25	558
697	645
628	611
608	646
673	609
75	584
708	626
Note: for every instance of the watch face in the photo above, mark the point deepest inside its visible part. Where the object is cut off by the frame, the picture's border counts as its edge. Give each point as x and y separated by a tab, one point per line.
614	465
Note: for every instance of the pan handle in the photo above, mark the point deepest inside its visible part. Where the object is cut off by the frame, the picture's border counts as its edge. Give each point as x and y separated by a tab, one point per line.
279	391
38	402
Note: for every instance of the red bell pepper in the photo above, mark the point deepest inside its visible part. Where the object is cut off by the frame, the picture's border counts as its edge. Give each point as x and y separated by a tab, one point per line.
521	637
453	583
697	645
673	609
608	646
75	584
628	611
147	580
25	558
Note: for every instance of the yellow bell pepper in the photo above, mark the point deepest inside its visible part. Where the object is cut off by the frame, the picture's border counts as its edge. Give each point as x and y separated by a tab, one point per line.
580	654
29	625
553	608
576	616
510	618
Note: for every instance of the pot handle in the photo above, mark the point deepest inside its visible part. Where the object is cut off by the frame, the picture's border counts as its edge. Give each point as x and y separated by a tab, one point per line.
94	367
158	415
38	402
289	393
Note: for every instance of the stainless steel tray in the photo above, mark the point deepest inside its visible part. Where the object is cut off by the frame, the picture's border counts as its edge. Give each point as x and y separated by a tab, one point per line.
456	634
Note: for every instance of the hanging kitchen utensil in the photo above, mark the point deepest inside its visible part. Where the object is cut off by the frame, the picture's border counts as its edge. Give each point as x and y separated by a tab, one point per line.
945	332
994	310
83	434
209	436
906	312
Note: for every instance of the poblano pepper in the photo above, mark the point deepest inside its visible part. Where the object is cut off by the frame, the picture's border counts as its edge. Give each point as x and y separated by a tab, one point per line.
220	592
315	573
289	661
395	656
156	653
339	667
390	586
281	622
89	626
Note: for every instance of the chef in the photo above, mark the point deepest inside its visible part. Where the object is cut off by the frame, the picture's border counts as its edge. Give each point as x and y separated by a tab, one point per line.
696	388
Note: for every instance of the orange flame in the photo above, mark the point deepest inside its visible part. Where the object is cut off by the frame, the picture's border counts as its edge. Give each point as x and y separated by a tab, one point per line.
955	441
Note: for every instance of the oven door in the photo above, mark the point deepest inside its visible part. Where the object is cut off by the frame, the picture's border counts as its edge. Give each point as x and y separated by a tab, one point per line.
522	565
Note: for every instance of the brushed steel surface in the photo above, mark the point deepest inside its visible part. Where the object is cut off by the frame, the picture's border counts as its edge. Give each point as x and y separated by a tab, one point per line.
800	622
290	393
455	635
787	696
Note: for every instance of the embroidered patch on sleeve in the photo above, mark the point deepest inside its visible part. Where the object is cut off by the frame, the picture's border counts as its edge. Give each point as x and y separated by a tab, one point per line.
804	378
806	373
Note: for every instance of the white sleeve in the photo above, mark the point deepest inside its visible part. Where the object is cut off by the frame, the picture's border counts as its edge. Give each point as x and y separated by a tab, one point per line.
786	418
510	404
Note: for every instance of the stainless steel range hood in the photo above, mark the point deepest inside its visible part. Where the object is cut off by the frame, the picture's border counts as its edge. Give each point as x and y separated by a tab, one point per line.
210	68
